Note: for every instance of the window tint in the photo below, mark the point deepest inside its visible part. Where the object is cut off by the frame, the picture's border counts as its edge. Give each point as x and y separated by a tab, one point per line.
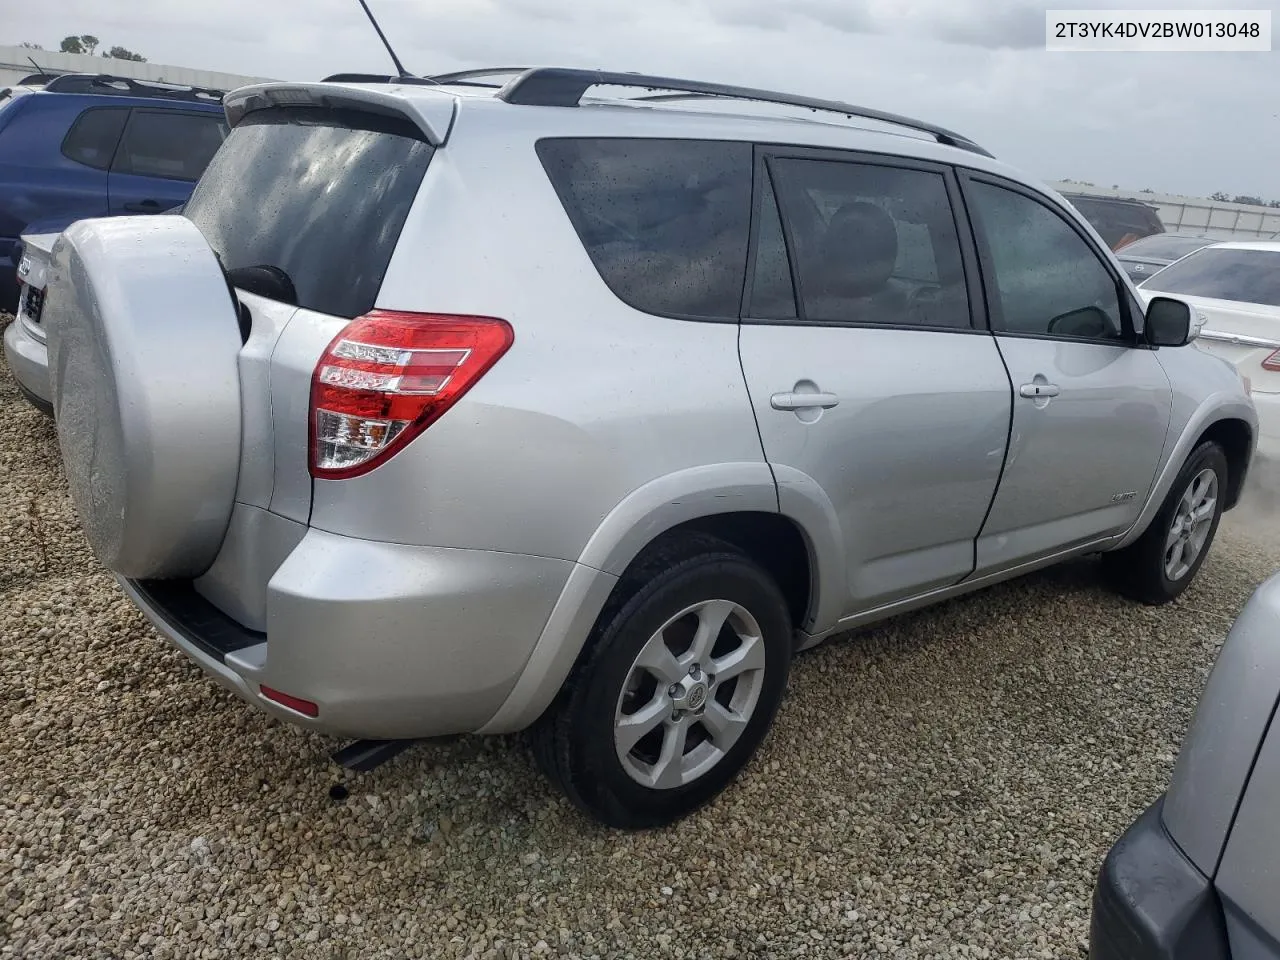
773	295
1163	246
871	244
1249	276
177	146
319	194
1118	223
1048	280
93	136
664	221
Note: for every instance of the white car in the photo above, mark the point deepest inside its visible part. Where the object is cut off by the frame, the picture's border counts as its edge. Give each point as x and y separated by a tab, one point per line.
1235	287
25	348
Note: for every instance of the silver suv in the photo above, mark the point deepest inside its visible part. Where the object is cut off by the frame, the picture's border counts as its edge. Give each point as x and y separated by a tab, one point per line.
465	405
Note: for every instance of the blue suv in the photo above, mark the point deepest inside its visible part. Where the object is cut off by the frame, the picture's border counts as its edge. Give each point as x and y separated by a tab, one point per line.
92	145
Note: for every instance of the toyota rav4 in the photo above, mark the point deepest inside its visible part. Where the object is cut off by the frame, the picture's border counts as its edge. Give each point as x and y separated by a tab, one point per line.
489	402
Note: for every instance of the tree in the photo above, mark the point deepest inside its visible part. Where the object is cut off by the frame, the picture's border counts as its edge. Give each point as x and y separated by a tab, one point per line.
85	43
1219	196
122	53
1274	203
30	46
1245	198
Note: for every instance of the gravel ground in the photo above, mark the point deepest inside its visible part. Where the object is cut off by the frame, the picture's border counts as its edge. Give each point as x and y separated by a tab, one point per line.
941	786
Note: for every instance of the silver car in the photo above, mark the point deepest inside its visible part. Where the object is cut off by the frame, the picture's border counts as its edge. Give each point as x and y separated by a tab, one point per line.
481	406
1198	874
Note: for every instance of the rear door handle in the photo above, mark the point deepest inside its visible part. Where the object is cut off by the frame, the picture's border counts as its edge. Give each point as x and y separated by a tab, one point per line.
1037	390
146	206
803	401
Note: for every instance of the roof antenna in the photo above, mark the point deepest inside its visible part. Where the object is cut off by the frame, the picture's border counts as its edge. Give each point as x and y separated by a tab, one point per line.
383	37
40	69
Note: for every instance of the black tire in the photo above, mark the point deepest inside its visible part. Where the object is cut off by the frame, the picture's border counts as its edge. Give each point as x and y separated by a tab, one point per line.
1138	571
573	742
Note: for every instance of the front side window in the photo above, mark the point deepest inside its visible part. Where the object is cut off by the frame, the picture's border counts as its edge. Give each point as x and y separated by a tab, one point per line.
162	143
868	244
1048	281
664	221
1224	273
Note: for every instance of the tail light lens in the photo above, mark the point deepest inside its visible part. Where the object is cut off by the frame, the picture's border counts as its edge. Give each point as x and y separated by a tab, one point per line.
1272	362
387	377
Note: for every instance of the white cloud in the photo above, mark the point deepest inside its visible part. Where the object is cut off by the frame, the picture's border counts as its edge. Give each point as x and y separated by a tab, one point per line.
1186	122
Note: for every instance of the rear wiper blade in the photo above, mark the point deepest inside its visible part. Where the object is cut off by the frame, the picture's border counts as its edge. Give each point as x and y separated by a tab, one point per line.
265	280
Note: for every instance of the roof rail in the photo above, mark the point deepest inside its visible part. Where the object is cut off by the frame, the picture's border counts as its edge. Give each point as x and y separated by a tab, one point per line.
564	87
107	84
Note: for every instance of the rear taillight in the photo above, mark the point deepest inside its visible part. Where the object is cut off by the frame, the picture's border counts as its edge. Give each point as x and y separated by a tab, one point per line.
387	377
1272	362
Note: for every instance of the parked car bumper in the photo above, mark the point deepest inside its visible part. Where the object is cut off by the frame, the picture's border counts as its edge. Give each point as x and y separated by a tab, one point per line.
1268	407
387	641
1152	903
28	360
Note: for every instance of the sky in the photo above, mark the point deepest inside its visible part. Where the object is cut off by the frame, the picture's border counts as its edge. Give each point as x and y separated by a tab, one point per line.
1173	122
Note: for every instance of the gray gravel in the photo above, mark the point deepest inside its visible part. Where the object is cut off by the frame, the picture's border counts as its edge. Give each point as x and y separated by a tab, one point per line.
942	786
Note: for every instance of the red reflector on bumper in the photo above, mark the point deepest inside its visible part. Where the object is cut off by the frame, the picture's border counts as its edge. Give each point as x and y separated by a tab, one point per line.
304	707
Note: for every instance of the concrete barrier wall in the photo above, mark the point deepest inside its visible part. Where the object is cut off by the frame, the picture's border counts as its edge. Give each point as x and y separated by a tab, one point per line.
14	65
1219	219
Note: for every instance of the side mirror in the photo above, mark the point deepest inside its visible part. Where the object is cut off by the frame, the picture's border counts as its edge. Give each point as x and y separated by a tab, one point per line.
1169	323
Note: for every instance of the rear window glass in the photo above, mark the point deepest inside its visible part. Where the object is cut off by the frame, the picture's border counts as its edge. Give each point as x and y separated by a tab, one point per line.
1249	276
1164	247
664	221
93	136
319	194
1118	223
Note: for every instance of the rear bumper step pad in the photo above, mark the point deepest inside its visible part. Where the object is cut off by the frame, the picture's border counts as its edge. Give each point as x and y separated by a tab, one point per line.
195	618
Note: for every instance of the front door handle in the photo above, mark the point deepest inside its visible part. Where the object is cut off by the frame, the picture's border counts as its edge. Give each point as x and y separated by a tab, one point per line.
803	401
1035	391
146	206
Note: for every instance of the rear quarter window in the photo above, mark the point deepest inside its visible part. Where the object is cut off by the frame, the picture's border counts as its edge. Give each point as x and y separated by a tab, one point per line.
168	144
665	222
93	136
316	193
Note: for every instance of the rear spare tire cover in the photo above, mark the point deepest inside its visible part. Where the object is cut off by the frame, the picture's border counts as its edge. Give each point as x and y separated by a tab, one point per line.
143	348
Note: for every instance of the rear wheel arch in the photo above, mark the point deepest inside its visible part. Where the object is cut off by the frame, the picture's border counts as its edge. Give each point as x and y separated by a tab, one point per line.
775	542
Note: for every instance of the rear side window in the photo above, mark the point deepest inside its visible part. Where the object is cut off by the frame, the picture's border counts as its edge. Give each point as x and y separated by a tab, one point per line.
163	143
316	193
664	221
868	244
93	136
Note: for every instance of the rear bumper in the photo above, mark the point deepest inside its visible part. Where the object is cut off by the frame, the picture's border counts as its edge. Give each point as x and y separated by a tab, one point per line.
1268	407
1152	903
388	641
28	360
